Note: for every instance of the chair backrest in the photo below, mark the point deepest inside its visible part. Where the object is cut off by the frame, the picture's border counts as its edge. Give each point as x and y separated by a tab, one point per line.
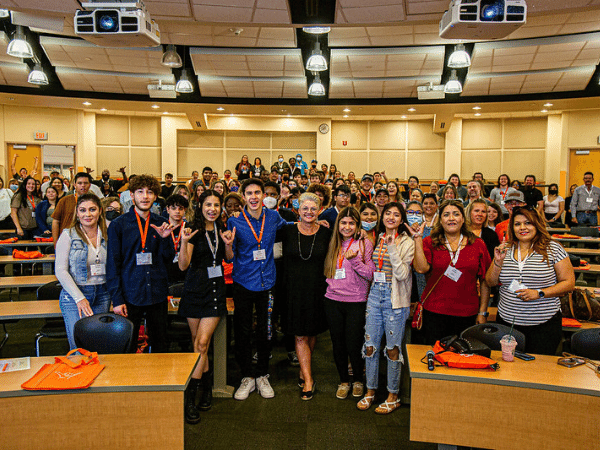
491	333
586	343
4	251
49	291
585	231
104	333
176	290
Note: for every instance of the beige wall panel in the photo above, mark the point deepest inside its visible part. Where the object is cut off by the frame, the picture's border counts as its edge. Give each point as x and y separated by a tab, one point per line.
481	134
190	159
391	162
294	141
112	130
525	133
145	131
146	160
20	124
584	128
247	139
354	133
422	137
347	161
235	156
200	139
517	164
426	165
487	162
387	135
112	158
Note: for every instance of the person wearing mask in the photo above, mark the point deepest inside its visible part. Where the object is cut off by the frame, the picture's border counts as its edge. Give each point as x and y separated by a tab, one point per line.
341	199
139	250
369	220
414	219
6	196
494	215
22	174
554	204
81	265
514	199
112	209
382	198
388	306
203	300
568	214
63	214
114	185
586	202
349	270
167	189
430	214
176	207
533	272
456	261
366	189
22	209
533	196
281	166
227	178
301	165
500	192
44	212
477	223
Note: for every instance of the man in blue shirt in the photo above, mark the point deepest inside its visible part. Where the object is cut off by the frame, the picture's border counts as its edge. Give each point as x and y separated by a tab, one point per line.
136	266
341	199
253	278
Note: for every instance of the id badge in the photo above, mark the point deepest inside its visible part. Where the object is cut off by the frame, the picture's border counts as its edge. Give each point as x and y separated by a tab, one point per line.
453	273
340	274
33	214
379	277
515	286
588	200
259	255
502	202
215	272
143	259
97	270
176	259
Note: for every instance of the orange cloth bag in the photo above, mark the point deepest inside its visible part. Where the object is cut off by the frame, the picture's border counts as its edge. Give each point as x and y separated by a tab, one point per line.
66	374
20	254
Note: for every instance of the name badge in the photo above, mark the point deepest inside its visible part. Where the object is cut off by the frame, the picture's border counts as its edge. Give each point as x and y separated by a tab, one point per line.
515	286
453	273
97	270
379	277
588	200
502	202
33	214
340	274
176	259
259	255
143	259
215	272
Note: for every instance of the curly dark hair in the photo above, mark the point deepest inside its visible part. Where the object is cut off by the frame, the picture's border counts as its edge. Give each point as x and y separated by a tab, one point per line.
145	181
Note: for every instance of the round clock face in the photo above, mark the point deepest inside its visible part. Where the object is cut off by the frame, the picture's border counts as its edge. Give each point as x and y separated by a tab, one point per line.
324	128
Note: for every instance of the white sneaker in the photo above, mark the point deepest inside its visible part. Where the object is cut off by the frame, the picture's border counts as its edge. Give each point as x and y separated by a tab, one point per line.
264	387
246	387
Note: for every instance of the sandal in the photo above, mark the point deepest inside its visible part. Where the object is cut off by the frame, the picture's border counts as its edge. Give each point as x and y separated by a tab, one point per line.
387	407
365	402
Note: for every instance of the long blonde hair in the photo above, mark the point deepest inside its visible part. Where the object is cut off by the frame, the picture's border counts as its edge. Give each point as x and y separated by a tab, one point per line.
89	197
335	244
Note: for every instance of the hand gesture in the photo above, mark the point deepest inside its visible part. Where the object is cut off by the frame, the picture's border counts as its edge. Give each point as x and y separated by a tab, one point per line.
36	158
187	234
389	239
164	230
228	236
89	169
122	169
84	308
500	252
363	234
350	254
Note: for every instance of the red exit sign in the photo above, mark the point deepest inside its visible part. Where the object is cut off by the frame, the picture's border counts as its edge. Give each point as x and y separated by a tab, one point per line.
41	136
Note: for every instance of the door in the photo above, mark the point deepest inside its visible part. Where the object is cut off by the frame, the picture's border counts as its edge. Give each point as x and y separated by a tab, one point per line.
26	154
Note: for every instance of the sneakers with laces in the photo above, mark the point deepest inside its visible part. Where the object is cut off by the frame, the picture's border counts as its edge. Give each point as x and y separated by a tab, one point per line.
264	387
357	389
342	391
247	386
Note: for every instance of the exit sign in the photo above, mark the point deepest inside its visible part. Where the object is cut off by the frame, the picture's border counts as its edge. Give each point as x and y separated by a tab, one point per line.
41	136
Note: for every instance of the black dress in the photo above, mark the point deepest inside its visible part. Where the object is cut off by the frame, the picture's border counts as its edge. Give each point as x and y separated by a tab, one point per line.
204	296
304	280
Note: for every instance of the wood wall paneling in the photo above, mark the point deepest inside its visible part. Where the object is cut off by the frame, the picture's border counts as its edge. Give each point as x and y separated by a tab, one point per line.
482	134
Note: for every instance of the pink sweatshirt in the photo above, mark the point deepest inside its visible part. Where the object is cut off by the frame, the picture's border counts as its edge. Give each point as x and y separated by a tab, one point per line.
355	287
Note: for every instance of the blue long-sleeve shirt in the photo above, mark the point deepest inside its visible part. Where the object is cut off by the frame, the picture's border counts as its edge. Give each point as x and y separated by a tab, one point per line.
254	275
40	217
139	285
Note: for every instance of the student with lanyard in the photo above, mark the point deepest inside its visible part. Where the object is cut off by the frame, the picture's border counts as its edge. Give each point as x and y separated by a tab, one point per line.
177	205
369	219
65	208
499	193
253	279
366	189
388	306
22	209
139	250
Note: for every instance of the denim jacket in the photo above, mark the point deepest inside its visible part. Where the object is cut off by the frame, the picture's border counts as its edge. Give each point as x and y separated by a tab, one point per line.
78	256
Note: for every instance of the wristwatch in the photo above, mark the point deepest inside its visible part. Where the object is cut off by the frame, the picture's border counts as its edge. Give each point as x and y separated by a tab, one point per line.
541	294
483	313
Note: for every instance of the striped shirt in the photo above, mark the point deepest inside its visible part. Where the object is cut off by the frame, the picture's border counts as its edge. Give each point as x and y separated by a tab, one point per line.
386	265
537	274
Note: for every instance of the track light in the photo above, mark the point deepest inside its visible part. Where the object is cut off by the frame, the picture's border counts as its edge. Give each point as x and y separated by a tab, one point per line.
453	86
316	62
37	76
459	58
171	58
316	88
19	47
184	85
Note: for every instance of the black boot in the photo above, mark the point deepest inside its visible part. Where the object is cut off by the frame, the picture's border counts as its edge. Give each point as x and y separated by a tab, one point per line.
192	415
206	396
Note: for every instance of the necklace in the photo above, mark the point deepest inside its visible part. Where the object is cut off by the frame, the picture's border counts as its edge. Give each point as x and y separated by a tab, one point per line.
312	245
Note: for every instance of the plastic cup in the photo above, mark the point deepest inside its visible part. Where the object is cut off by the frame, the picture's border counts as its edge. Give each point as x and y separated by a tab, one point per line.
509	344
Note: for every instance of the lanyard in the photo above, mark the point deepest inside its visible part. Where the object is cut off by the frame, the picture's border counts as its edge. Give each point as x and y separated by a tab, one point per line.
590	192
370	195
453	255
432	220
379	256
30	198
342	253
262	228
176	241
97	248
503	194
144	232
521	264
214	249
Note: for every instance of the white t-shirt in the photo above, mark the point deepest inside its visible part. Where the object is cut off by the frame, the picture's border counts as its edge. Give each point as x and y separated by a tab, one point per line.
6	196
552	207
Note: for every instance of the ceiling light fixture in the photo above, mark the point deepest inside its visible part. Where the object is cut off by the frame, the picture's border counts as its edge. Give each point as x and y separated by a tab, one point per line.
184	85
453	86
403	117
316	30
346	116
411	109
220	108
4	13
477	114
155	107
103	109
346	110
87	104
459	58
19	47
548	105
476	108
37	76
171	58
316	88
316	62
544	110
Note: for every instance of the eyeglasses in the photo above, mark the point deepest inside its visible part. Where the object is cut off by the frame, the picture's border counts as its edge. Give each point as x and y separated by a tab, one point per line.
411	211
343	196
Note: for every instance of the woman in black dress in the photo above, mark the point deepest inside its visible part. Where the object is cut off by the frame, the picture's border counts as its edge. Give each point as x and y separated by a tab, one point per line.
304	250
203	299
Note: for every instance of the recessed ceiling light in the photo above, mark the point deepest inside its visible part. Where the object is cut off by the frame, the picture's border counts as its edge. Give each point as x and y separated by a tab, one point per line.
403	117
476	108
155	106
289	115
220	108
548	105
165	113
346	116
87	104
103	109
411	109
346	109
477	114
544	110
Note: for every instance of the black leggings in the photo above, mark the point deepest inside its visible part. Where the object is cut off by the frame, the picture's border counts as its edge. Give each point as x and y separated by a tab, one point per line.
437	326
347	327
542	339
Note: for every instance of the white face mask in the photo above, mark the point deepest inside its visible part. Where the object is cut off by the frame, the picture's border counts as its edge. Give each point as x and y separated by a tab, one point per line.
280	160
368	226
270	202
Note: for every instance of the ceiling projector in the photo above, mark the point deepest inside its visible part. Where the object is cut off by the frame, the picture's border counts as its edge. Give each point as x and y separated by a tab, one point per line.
482	19
116	24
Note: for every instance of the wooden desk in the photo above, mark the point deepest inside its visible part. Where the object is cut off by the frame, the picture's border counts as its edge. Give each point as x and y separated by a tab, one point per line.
493	310
522	405
558	230
136	401
583	251
593	270
26	281
27	243
583	240
10	260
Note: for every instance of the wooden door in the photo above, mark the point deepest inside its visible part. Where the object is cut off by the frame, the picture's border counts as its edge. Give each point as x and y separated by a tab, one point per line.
580	164
26	157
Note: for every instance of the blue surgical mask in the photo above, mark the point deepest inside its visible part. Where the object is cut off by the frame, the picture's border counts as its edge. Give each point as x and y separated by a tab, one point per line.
414	218
368	226
234	188
296	203
14	187
280	160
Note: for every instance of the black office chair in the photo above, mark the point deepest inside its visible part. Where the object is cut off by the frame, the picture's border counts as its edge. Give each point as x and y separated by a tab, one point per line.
178	329
585	231
104	333
491	333
53	328
586	343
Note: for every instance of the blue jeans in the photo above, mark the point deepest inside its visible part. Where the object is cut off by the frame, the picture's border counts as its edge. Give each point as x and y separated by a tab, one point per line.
587	219
381	318
99	299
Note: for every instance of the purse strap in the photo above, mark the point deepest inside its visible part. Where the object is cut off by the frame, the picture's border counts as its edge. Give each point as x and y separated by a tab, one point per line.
422	302
89	358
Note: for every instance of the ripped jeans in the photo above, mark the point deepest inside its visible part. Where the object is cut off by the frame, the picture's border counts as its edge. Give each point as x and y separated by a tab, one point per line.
381	318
